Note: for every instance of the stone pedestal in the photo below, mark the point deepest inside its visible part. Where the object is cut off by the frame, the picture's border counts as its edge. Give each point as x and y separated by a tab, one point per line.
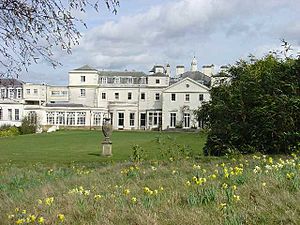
106	148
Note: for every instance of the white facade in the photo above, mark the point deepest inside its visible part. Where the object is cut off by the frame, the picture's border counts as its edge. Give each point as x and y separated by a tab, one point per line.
179	102
133	100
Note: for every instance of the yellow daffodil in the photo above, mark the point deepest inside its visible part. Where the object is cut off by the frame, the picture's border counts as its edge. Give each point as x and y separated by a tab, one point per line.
236	198
20	221
270	160
32	218
49	201
41	220
290	176
196	166
86	192
223	206
133	200
61	217
11	216
97	197
126	192
224	186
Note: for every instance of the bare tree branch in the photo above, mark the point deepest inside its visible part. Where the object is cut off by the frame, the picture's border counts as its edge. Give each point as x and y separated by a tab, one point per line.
29	29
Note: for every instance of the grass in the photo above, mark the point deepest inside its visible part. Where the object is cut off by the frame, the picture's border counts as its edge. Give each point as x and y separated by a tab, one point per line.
65	147
255	191
58	180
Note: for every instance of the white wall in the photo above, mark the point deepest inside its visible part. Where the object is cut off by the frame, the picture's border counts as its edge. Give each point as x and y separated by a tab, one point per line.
180	105
57	93
5	118
31	95
90	98
91	78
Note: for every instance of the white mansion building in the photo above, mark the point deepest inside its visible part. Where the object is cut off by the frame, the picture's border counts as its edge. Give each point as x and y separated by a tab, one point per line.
133	100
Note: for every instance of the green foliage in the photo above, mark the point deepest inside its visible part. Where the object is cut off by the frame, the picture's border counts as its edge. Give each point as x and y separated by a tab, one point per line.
258	112
8	131
171	149
138	154
28	126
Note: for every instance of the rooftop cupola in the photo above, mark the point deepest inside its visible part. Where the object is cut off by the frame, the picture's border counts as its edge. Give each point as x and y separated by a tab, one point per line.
194	64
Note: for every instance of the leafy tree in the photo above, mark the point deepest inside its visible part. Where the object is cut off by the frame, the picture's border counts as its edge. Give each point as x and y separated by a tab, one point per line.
258	111
29	29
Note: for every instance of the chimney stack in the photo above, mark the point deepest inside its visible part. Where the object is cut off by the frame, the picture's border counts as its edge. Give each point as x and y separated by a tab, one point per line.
208	70
179	70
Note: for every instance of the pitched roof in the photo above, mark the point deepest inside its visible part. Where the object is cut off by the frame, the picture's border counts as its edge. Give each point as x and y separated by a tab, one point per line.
156	66
197	76
10	82
122	73
159	74
221	74
66	104
86	67
184	80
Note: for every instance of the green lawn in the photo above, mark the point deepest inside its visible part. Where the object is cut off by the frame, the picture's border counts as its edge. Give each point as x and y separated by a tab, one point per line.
84	146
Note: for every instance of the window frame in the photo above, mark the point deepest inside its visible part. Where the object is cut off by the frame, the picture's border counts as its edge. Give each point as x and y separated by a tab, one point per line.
173	119
9	114
187	98
131	119
81	118
129	95
173	94
82	92
71	118
17	114
201	97
157	96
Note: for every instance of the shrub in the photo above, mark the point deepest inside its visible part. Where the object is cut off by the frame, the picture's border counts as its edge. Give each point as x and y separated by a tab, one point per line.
28	126
9	131
138	154
258	112
5	127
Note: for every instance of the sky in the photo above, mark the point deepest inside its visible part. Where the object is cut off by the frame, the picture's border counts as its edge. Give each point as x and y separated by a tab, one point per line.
149	32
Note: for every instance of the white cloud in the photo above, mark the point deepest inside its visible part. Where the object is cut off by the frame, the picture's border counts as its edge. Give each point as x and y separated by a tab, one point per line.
217	32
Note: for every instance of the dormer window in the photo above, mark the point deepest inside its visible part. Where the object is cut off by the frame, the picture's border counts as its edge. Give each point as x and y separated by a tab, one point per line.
82	79
103	80
116	80
3	93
